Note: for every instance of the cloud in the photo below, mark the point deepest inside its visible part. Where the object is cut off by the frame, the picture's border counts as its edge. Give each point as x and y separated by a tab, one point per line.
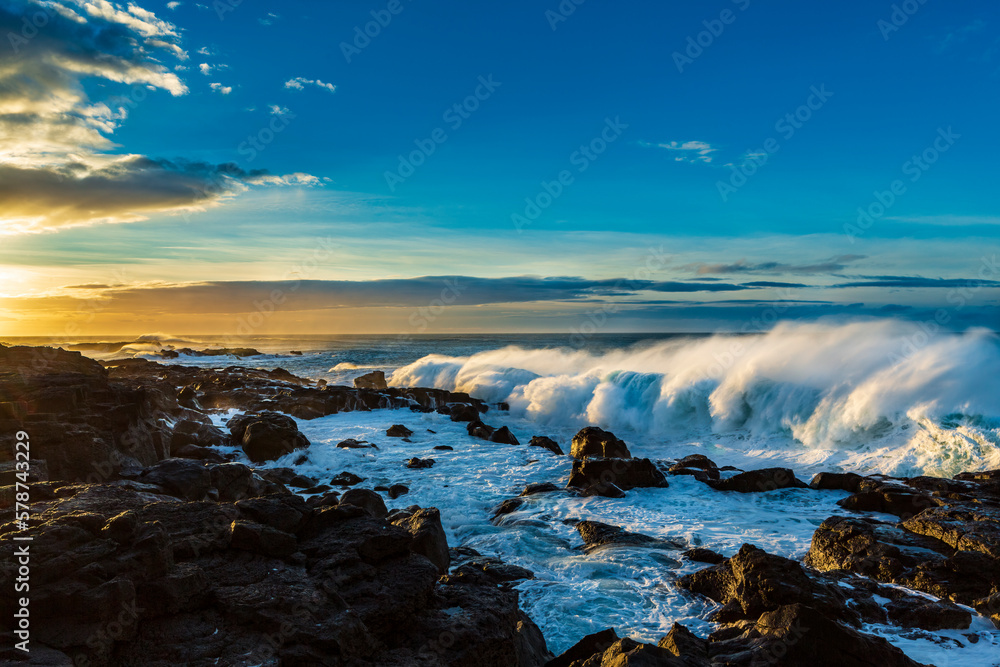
838	263
58	164
219	88
269	19
919	282
121	189
686	151
204	51
959	35
205	69
276	110
299	83
174	5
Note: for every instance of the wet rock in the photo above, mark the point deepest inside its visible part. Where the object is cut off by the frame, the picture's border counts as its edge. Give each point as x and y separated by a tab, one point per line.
968	528
544	487
503	436
190	432
234	481
598	535
604	476
464	413
927	615
758	481
374	380
594	442
889	501
398	431
589	646
691	649
418	464
698	465
833	480
183	478
397	490
477	429
266	436
346	478
546	443
351	443
444	448
508	506
704	556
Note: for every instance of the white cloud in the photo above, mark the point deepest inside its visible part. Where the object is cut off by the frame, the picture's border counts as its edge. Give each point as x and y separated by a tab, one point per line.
269	19
686	151
174	5
949	220
275	110
219	88
204	51
299	82
205	69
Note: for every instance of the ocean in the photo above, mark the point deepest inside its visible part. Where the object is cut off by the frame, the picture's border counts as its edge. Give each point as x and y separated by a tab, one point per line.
870	397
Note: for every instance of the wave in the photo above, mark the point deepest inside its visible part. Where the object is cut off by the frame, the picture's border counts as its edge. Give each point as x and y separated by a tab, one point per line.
932	399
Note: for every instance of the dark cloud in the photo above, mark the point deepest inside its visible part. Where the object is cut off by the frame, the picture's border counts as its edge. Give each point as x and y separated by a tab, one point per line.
833	264
919	282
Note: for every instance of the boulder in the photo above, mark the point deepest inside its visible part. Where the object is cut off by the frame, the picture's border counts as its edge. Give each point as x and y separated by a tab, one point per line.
398	431
756	481
603	476
183	478
477	429
418	464
704	556
464	412
591	645
546	443
594	442
346	478
598	535
428	536
367	500
266	436
503	436
374	380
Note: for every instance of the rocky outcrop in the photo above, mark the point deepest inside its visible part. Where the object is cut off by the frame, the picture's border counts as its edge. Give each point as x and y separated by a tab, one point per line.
546	443
610	477
758	481
598	535
374	380
594	442
266	436
698	465
398	431
503	436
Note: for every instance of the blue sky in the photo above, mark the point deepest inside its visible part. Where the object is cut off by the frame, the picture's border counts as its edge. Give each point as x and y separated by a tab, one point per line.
825	106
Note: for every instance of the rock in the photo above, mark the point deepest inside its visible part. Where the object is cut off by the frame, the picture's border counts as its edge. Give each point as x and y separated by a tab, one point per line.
183	478
545	487
266	436
928	615
704	556
464	413
398	431
902	503
546	443
593	442
598	535
418	464
260	539
832	480
630	653
351	443
444	448
367	500
234	481
503	436
598	476
397	490
754	581
190	432
508	506
346	479
755	481
698	465
973	528
591	645
691	649
374	380
428	536
197	453
478	429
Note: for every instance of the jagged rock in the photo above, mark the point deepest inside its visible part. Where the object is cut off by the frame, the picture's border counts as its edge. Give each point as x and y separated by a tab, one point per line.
351	443
508	506
367	500
598	535
889	501
605	476
591	645
698	465
477	429
266	436
594	442
503	436
183	478
346	478
833	480
398	431
418	464
755	481
464	413
704	556
691	649
546	443
190	432
969	528
374	380
428	536
544	487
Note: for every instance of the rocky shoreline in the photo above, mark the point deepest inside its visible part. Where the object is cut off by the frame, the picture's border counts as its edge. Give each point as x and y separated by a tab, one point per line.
151	545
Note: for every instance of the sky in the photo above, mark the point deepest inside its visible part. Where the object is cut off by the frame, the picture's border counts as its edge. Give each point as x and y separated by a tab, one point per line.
248	168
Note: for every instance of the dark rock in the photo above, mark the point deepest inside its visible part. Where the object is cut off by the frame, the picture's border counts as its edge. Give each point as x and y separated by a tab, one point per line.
478	429
346	479
704	556
351	443
183	478
266	436
444	448
928	615
259	539
546	443
367	500
691	649
598	535
464	413
374	380
503	436
418	464
593	442
397	490
597	476
544	487
190	432
833	480
398	431
591	645
755	481
234	481
508	506
428	536
902	503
